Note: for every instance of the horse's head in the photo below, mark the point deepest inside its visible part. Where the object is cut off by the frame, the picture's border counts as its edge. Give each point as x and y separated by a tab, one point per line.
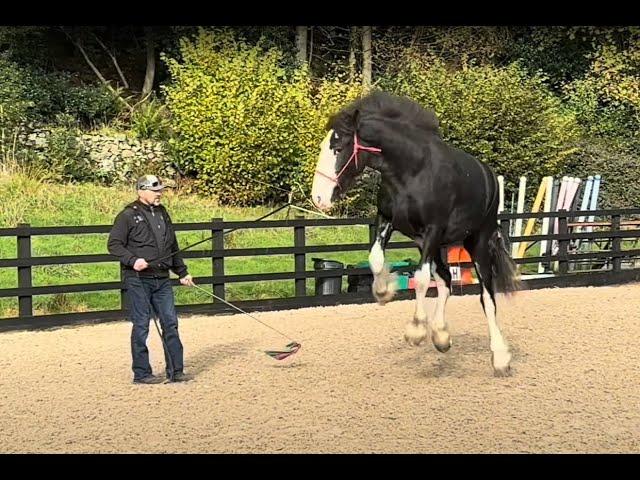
341	160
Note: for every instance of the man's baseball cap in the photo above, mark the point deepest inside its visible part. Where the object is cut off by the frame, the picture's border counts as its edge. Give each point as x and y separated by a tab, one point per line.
149	182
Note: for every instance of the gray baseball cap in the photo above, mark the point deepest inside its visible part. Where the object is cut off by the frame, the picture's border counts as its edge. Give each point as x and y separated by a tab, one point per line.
149	182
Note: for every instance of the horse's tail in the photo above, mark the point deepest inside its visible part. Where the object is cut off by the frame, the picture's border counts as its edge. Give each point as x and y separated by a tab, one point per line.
504	270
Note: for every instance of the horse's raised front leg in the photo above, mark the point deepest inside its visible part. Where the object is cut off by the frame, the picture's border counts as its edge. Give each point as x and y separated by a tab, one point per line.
384	284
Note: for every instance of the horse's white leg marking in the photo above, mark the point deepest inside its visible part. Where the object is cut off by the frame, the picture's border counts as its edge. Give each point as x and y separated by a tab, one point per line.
499	348
440	334
384	284
376	258
501	357
416	329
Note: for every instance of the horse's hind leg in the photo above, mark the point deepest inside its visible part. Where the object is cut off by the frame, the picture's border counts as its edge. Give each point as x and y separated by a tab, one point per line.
479	250
416	330
384	285
439	331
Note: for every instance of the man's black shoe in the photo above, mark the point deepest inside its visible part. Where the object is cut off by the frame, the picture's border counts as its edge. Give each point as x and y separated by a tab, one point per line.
150	379
178	377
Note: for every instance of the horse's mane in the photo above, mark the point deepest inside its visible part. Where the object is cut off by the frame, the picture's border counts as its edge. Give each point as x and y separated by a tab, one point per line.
385	105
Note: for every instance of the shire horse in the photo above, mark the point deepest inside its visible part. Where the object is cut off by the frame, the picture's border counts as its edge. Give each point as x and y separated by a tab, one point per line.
431	192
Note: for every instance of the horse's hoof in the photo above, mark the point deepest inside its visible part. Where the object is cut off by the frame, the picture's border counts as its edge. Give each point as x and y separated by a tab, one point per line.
415	333
413	341
384	297
384	287
501	364
502	372
441	340
380	298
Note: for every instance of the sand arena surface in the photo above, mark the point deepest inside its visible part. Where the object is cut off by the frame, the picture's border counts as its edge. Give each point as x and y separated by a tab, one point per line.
355	386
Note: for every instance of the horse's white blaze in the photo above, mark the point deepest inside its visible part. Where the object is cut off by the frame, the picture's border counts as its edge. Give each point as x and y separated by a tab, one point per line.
376	258
322	189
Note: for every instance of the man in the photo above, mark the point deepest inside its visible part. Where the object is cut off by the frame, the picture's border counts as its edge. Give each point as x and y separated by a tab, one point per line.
143	239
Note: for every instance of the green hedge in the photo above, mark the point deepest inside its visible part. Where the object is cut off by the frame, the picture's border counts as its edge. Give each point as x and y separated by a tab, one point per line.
501	115
16	107
619	165
236	114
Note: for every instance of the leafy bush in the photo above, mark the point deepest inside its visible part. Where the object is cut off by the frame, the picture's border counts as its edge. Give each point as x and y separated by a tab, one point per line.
15	106
607	99
57	93
502	116
150	120
91	104
239	117
65	157
619	163
245	126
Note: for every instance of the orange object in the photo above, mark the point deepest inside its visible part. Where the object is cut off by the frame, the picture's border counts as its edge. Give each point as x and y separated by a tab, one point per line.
457	255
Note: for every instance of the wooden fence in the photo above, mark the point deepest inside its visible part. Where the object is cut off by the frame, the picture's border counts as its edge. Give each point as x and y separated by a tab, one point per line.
611	259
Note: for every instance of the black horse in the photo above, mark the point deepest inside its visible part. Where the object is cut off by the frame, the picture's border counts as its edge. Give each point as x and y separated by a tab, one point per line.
431	192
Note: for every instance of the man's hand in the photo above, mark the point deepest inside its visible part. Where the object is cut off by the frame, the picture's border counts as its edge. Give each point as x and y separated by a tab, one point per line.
140	264
187	281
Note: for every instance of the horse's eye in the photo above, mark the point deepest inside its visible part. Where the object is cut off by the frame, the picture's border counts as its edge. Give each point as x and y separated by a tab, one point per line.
337	150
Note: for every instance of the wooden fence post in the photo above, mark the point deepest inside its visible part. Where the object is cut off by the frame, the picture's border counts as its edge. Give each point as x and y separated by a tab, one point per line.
25	302
563	245
372	234
616	244
300	258
217	255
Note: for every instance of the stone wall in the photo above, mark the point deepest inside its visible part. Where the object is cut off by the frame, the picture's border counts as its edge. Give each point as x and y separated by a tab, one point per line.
116	157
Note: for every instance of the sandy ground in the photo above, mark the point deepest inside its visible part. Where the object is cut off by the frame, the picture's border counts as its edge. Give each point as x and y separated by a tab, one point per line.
355	386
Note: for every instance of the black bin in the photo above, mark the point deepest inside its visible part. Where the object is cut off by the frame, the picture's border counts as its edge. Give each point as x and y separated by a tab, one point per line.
328	285
359	283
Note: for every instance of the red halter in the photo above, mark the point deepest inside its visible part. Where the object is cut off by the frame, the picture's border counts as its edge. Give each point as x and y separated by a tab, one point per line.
356	147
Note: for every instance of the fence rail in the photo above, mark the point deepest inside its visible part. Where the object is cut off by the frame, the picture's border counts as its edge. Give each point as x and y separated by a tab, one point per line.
567	232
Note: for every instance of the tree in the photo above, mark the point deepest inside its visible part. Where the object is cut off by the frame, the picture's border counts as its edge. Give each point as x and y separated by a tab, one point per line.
301	44
150	73
366	56
353	45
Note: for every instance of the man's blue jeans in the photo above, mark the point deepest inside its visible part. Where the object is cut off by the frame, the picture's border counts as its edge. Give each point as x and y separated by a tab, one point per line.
148	296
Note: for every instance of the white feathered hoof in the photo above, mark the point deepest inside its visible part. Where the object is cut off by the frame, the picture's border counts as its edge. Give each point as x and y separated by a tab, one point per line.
384	287
415	332
384	298
501	361
441	340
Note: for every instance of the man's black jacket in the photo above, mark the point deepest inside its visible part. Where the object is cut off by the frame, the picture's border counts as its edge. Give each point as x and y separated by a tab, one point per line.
143	231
